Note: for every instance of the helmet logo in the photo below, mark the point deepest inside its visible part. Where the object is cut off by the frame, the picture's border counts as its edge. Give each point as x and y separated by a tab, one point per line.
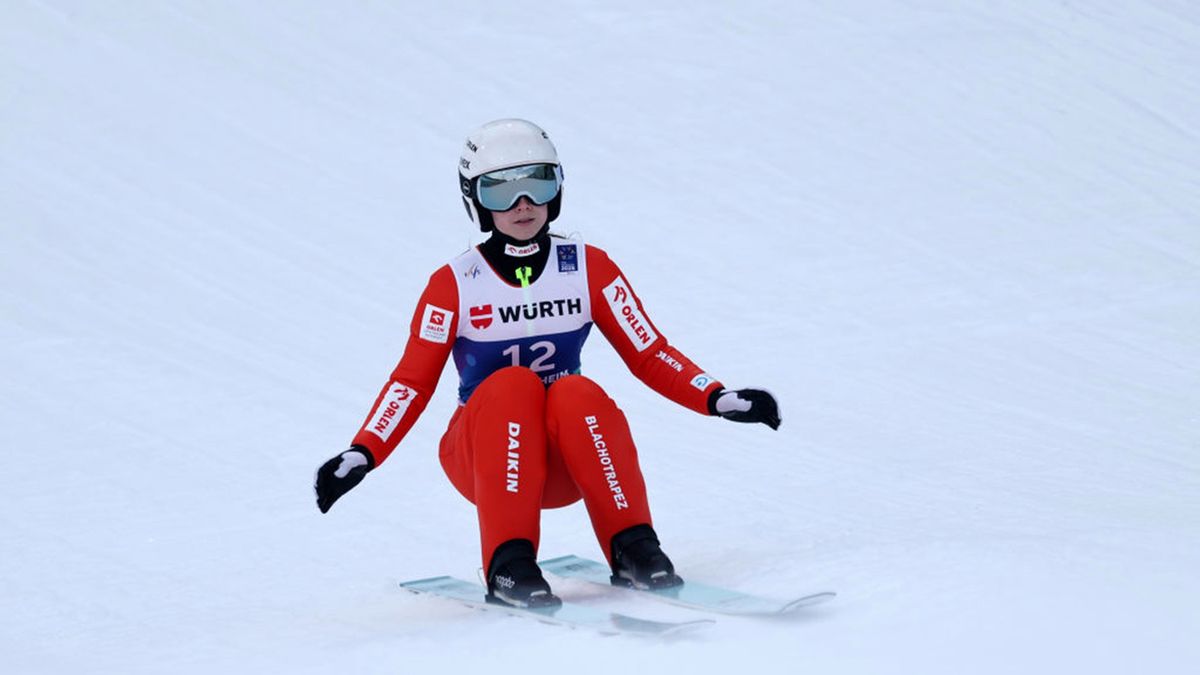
472	147
464	163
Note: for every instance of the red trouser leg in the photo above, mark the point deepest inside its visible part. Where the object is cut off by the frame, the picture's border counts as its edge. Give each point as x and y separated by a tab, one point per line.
495	454
591	433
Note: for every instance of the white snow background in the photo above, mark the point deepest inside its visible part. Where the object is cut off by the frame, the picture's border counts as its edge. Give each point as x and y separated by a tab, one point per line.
958	240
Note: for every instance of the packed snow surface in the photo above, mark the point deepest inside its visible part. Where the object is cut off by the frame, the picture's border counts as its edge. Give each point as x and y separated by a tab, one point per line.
960	242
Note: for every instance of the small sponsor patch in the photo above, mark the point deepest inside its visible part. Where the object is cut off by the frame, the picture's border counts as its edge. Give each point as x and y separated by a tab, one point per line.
391	410
702	381
624	308
435	324
667	359
568	258
521	251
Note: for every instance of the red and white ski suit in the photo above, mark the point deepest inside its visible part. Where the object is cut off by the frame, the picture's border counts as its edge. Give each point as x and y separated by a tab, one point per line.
530	431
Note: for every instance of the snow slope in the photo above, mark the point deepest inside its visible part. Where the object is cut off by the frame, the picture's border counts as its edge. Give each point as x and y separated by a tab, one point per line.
958	240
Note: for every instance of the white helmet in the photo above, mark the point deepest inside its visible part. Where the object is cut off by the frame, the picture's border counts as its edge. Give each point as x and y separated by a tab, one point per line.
504	144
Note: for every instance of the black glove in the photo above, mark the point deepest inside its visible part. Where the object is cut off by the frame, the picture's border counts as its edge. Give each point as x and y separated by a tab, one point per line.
745	405
340	474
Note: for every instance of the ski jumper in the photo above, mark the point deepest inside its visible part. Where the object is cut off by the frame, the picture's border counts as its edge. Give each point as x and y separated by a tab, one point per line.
530	431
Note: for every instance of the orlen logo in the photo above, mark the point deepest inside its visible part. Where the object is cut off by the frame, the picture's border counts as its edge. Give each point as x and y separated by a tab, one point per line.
627	313
435	324
481	316
391	410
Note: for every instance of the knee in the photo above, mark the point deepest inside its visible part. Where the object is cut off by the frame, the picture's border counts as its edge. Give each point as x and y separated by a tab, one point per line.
574	389
514	382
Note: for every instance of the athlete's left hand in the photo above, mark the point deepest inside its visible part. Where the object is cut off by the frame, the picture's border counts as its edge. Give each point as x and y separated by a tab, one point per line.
746	405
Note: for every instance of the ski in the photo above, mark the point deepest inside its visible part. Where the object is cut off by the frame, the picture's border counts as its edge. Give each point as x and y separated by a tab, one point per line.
569	614
691	594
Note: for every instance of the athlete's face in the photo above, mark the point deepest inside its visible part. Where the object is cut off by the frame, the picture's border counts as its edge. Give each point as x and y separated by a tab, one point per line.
523	220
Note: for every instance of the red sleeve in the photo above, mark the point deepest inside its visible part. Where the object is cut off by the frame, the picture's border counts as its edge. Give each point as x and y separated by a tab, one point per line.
431	336
619	314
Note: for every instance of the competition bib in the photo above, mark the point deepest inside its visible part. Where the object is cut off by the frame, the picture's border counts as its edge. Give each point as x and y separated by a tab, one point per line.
542	326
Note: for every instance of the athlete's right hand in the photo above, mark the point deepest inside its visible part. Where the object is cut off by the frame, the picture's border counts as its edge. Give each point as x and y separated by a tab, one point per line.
340	474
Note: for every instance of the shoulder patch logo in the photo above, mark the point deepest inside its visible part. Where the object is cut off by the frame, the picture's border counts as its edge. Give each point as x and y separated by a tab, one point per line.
435	324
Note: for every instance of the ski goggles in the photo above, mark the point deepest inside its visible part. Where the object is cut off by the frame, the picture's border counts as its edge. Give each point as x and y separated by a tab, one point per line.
500	190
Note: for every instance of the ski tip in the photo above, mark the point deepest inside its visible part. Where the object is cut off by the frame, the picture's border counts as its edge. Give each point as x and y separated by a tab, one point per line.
421	583
647	627
688	627
807	601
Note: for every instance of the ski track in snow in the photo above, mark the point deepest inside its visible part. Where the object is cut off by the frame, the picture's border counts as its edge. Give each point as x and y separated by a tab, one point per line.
960	244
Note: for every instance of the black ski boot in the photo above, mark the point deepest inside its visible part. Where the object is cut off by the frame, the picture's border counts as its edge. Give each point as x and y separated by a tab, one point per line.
638	562
515	579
